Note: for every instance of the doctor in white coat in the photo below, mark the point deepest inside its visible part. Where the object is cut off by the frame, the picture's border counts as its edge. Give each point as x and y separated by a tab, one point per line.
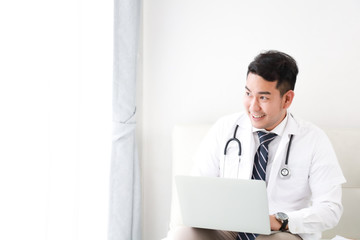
305	199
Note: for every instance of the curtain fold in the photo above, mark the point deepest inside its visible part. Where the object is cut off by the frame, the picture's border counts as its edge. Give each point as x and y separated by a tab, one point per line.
125	190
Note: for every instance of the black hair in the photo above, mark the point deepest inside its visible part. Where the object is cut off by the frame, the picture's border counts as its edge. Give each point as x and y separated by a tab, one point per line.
276	66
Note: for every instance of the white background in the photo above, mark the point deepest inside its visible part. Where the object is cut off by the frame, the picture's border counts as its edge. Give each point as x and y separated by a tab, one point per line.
55	118
195	59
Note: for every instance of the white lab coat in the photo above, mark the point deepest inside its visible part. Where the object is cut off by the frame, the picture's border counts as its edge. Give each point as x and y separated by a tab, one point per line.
311	197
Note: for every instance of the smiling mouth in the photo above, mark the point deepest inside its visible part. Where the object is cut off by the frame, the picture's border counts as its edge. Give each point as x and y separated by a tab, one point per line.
257	116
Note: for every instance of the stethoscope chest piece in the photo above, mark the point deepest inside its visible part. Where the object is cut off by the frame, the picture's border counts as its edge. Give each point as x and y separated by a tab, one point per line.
284	172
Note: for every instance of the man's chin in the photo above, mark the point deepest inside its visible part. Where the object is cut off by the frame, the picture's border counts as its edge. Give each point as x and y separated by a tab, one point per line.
258	123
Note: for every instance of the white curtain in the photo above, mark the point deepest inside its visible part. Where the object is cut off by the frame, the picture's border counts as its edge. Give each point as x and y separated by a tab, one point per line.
125	191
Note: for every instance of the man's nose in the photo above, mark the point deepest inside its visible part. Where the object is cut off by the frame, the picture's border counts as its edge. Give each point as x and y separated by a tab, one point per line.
254	105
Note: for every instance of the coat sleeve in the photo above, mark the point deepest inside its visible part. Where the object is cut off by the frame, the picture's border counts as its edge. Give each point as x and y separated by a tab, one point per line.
209	157
324	213
325	179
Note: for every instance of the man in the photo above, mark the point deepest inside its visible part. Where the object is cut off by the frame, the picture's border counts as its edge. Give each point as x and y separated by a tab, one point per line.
304	194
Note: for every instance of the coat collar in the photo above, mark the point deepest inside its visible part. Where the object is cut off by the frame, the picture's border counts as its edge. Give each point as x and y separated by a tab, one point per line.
245	135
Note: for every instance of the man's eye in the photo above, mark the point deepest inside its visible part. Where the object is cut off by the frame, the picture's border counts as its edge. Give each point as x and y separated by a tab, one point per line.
264	98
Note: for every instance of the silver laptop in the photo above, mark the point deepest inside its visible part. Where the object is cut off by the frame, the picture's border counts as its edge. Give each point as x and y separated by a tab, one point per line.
224	204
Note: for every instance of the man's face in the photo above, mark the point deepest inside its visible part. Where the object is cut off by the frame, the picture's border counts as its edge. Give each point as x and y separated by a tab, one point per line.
264	105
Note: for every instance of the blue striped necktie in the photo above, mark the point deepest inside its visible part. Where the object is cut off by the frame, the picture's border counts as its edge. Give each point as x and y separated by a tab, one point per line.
259	169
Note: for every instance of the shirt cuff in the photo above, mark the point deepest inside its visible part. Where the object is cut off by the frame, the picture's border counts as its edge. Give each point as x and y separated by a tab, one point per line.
296	223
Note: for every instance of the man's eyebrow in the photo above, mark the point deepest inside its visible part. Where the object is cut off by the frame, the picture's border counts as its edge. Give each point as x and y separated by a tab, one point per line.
262	93
266	93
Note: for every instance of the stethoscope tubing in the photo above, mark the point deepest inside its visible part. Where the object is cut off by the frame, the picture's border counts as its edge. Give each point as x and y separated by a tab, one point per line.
284	172
288	150
234	138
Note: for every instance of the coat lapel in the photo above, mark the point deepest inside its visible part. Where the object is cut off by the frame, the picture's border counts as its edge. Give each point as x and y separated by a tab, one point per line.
279	159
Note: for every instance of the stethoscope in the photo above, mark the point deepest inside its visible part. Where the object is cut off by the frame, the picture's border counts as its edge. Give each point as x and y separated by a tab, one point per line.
284	171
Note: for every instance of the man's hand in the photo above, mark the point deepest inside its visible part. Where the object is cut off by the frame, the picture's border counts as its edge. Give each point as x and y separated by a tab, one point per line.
274	224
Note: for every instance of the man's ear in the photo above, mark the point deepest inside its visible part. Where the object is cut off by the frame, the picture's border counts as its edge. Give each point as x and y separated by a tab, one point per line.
288	98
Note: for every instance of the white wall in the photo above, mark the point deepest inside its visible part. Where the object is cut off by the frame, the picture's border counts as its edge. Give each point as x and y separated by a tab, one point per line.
195	58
